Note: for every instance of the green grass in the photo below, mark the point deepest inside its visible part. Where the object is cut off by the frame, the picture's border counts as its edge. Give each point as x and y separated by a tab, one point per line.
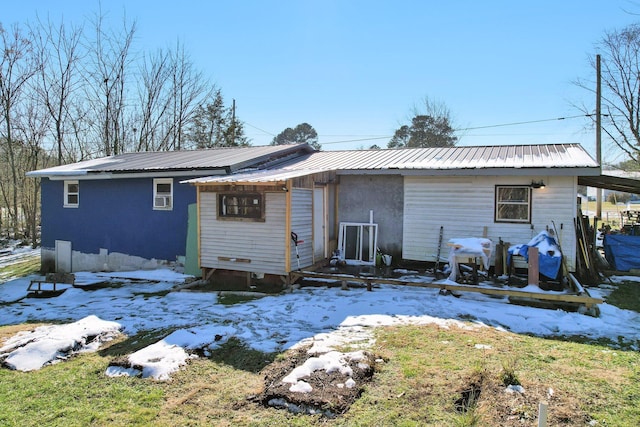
425	369
20	269
76	393
626	296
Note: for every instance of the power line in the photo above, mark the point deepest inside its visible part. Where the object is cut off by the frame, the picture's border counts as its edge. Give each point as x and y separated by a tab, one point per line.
525	123
375	138
255	127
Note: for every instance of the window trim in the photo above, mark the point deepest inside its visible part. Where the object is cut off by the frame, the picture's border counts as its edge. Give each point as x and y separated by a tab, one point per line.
528	203
68	193
229	217
164	195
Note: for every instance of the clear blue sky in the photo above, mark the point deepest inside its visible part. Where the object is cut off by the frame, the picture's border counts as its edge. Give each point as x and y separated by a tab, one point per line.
355	69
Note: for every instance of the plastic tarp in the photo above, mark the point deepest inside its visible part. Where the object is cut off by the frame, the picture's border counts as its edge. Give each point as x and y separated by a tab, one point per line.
622	251
549	255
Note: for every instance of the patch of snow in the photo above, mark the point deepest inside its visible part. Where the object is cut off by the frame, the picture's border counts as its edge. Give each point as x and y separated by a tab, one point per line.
515	389
301	387
45	345
325	319
483	346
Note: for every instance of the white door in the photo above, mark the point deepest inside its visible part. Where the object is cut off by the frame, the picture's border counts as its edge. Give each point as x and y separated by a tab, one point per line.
63	256
319	224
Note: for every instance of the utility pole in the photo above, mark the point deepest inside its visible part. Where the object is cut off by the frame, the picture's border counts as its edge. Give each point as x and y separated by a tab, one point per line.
598	133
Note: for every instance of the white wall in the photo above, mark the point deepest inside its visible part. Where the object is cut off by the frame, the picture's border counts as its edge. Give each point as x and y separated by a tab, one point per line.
465	205
261	242
302	225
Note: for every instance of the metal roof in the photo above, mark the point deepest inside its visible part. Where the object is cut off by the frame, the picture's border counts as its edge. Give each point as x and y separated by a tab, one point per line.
265	176
469	157
625	182
229	158
475	158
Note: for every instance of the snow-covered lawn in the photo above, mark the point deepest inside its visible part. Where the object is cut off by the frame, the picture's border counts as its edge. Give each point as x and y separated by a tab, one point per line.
321	317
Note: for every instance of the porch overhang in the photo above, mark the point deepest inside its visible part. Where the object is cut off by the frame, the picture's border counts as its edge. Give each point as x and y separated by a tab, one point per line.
610	182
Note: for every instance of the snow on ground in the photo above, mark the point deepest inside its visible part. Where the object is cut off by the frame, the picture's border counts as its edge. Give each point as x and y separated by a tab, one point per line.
321	317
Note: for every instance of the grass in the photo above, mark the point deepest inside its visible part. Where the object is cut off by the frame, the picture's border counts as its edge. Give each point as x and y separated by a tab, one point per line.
425	371
626	295
610	212
20	269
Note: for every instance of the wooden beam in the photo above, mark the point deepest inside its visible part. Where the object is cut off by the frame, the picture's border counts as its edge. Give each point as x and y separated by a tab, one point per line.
230	259
534	266
571	298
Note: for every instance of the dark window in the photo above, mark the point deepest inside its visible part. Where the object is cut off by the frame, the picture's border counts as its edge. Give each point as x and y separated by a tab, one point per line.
513	204
240	205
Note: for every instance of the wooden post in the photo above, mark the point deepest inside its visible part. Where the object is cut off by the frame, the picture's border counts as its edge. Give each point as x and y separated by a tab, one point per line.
542	414
499	261
534	266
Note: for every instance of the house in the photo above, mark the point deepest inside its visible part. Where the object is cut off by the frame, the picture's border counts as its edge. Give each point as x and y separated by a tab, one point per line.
129	211
277	220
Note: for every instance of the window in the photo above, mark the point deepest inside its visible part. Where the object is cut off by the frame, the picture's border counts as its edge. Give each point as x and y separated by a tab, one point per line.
71	194
513	204
163	193
241	205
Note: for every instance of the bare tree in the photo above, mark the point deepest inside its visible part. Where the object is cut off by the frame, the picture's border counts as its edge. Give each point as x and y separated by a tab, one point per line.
17	67
32	130
58	49
107	76
620	74
190	89
154	99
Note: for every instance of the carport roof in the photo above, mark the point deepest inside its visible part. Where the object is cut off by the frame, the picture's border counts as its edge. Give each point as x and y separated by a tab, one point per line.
625	182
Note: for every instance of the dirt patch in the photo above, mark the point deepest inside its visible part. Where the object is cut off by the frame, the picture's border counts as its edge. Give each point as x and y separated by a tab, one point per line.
330	391
516	405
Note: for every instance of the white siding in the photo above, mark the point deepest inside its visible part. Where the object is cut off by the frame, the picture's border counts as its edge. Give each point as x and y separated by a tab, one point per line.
261	242
302	225
465	205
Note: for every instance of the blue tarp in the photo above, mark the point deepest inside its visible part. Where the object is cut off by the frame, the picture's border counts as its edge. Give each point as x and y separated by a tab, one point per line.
549	255
622	251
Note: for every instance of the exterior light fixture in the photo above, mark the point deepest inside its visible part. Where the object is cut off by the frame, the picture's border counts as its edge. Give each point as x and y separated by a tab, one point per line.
537	184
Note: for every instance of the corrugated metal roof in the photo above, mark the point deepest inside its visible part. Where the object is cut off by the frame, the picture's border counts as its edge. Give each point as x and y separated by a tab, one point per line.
511	157
471	157
234	158
254	177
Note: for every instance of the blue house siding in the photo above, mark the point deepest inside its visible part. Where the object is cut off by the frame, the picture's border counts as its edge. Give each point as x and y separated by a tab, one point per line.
117	215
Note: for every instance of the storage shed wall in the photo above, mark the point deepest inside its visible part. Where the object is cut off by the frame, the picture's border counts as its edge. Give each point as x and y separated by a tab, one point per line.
263	243
302	225
465	205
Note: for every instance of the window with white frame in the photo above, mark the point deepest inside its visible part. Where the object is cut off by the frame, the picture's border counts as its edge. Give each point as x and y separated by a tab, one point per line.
163	193
71	194
513	204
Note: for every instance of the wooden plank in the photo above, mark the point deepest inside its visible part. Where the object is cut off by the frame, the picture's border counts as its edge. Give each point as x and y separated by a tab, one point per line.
534	266
581	299
226	258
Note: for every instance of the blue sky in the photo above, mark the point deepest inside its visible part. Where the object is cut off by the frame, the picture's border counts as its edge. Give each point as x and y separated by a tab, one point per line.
354	70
